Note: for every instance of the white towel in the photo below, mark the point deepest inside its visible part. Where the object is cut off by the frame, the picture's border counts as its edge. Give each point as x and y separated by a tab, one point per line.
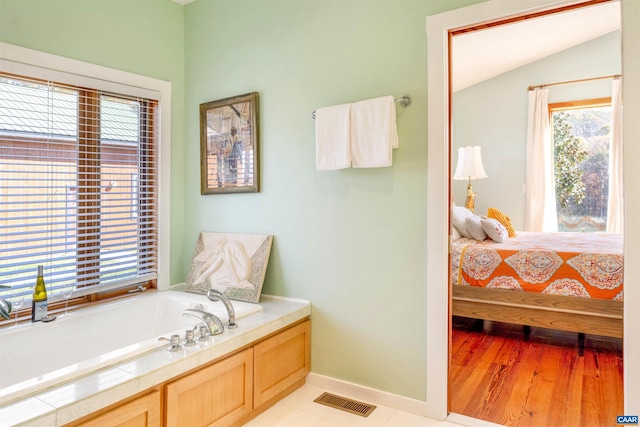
373	132
332	137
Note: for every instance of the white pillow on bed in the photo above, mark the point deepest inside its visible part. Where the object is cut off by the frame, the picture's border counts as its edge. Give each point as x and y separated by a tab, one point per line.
474	228
494	229
455	234
458	218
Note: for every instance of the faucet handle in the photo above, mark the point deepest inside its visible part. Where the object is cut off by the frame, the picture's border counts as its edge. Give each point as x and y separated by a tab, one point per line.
174	342
189	337
204	333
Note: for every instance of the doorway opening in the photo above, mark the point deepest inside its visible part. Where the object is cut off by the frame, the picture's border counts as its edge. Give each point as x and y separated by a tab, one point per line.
482	187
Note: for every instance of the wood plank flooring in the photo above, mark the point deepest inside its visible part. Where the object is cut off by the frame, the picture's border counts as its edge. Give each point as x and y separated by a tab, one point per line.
500	374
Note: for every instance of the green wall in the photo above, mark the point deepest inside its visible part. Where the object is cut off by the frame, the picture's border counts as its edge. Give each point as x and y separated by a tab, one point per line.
353	241
145	37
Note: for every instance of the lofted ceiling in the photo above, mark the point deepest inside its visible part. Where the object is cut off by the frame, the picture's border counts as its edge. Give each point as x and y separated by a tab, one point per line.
480	55
483	54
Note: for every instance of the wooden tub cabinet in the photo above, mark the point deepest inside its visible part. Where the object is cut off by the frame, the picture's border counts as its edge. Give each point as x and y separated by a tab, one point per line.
226	392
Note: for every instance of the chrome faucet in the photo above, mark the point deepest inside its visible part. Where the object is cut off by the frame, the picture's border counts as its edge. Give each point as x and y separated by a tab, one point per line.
215	295
5	306
211	321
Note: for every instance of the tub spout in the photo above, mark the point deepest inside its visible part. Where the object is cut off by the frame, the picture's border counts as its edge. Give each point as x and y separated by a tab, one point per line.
5	306
215	295
211	321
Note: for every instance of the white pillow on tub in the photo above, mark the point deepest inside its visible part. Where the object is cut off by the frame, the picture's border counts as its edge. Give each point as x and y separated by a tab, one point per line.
458	219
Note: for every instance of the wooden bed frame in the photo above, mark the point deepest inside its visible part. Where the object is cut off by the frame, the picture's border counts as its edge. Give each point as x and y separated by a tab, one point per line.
582	315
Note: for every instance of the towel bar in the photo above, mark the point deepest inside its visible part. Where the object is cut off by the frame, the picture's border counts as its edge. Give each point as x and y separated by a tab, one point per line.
405	102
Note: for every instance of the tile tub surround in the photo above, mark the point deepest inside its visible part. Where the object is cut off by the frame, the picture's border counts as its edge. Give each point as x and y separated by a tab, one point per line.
84	340
74	399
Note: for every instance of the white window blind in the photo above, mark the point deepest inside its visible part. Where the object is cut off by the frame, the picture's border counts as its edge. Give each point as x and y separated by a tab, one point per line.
78	187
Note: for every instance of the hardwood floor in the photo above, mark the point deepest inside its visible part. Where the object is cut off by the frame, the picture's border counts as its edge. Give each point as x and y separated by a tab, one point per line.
500	374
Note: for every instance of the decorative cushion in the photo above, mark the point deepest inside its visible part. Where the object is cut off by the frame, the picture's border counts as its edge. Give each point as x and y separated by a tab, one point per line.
458	217
494	229
504	220
474	227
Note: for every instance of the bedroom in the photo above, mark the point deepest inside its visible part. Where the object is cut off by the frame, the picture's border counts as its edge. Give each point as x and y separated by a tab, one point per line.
490	109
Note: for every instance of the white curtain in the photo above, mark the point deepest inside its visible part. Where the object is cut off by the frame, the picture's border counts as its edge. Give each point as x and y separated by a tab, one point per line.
614	205
540	213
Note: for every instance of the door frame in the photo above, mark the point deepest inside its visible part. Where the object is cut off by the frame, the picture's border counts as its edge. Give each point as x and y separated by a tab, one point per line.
438	194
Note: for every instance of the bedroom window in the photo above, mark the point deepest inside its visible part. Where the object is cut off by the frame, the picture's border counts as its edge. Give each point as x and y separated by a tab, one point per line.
78	188
581	135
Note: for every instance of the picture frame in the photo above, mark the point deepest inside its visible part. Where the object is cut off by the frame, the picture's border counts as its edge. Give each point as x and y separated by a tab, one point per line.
234	264
229	145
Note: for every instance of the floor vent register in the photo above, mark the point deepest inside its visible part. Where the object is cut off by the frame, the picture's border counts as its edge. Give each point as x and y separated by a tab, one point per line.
344	404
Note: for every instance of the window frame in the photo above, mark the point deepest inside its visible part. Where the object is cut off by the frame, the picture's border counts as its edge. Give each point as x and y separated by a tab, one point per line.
580	104
39	65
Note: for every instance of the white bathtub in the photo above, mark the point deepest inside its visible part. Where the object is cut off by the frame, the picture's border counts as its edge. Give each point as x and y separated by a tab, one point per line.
34	356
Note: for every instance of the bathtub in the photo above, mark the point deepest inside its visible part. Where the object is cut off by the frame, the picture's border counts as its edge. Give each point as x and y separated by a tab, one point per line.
34	356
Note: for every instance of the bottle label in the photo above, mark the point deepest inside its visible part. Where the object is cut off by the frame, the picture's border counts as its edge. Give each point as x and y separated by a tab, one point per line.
39	310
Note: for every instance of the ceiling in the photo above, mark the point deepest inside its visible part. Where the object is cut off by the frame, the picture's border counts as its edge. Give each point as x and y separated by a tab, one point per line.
483	54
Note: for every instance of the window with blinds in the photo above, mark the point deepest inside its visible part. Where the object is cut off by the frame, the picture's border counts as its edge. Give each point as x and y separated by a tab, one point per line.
78	188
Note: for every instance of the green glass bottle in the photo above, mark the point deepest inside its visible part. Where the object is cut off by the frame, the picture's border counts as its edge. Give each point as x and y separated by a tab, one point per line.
39	305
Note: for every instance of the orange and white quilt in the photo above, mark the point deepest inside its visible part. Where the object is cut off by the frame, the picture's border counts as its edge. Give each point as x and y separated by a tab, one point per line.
588	265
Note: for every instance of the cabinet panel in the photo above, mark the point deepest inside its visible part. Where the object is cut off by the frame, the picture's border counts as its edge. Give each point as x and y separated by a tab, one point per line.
281	361
214	396
142	412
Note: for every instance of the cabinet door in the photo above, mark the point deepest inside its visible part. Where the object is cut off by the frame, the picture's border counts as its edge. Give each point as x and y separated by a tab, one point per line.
214	396
142	412
281	361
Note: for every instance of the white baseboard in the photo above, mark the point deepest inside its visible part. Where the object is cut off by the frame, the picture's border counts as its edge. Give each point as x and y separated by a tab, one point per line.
368	395
390	400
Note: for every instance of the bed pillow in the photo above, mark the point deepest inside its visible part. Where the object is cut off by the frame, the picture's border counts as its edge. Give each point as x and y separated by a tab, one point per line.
494	229
458	218
504	220
474	227
455	234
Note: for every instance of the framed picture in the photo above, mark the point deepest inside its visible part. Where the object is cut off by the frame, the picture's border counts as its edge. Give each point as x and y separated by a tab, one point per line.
234	264
229	149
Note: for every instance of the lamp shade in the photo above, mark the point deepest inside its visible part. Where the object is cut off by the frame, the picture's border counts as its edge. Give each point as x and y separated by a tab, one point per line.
469	163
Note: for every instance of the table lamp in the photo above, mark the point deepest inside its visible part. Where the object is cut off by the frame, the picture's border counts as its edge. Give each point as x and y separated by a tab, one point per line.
469	167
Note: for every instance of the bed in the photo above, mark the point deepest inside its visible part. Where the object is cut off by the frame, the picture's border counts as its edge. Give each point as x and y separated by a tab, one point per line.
565	281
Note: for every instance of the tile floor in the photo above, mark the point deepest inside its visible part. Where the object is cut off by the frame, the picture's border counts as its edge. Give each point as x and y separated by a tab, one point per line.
298	409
